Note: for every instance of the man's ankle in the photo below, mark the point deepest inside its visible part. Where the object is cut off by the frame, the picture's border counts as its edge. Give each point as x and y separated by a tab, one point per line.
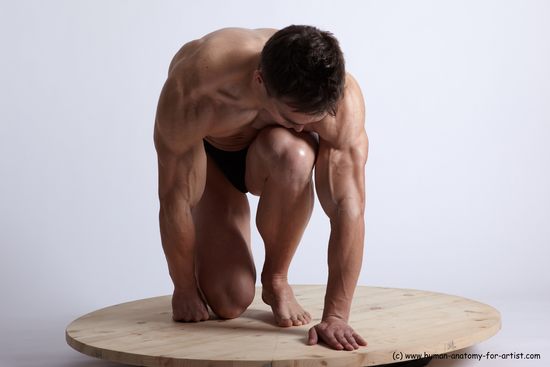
273	279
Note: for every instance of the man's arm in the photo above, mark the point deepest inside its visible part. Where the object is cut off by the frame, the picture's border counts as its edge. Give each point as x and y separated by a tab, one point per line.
182	177
181	182
340	183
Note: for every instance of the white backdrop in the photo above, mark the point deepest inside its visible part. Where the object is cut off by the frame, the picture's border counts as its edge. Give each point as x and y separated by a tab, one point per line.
458	116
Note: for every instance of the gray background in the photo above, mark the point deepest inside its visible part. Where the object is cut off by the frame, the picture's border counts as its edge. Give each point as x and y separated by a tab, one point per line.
458	116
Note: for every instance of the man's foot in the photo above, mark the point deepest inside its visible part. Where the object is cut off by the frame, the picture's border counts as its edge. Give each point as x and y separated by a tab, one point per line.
279	295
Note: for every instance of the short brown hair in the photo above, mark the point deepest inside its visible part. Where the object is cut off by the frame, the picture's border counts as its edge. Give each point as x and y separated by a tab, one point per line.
306	67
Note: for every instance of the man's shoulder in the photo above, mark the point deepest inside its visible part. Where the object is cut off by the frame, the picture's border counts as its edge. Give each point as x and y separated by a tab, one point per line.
347	127
352	90
183	112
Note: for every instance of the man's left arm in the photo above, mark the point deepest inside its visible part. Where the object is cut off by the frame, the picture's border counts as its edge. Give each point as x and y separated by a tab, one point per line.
340	183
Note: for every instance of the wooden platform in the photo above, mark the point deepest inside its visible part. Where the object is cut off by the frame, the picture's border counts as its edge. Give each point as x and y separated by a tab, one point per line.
393	321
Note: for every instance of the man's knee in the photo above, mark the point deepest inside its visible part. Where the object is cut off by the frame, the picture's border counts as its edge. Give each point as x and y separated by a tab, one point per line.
229	311
231	306
291	156
232	299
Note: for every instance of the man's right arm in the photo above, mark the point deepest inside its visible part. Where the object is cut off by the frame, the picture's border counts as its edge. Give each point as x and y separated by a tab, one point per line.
182	176
181	182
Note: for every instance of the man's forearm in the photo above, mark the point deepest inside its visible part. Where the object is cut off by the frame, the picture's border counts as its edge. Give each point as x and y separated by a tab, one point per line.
345	256
178	242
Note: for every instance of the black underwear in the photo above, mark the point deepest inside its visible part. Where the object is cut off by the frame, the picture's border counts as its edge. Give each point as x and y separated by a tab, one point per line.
232	164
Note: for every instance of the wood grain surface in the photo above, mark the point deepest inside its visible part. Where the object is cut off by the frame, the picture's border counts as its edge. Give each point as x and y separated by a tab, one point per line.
393	321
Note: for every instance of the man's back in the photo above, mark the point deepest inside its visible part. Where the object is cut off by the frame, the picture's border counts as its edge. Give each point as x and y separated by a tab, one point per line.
208	92
226	47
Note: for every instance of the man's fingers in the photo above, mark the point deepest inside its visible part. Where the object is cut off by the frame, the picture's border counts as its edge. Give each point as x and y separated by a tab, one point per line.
343	341
360	339
333	342
352	341
337	339
312	336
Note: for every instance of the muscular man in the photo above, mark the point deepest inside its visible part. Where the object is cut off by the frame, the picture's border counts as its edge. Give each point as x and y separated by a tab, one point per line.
254	110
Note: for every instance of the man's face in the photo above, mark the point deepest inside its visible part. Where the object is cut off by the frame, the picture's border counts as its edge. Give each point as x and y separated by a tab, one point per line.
285	116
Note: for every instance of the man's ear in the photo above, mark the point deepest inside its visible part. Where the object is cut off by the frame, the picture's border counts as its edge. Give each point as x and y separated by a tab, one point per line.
258	76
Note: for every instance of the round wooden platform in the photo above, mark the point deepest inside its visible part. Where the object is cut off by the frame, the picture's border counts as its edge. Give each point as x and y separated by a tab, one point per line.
393	321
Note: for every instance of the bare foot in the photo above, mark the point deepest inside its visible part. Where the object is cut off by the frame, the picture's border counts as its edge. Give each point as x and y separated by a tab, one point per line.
287	311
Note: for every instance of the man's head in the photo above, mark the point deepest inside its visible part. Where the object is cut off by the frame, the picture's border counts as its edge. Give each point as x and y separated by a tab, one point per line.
304	68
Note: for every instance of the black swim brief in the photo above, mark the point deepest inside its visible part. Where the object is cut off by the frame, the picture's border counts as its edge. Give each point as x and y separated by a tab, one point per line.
232	164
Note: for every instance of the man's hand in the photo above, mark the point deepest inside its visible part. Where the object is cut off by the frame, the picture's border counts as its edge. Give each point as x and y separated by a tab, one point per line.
188	307
336	333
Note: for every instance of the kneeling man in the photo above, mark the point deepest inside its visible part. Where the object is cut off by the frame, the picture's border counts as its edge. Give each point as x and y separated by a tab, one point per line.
255	110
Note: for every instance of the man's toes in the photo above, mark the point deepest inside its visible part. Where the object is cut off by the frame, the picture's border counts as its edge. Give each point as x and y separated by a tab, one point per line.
284	322
296	321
